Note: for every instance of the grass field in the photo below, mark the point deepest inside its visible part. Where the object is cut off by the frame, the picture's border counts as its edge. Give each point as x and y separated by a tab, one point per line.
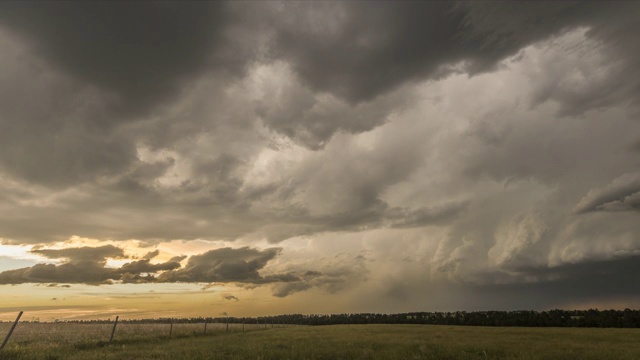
49	334
357	342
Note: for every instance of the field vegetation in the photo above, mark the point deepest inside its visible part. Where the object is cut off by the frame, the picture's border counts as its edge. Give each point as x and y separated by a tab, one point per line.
350	342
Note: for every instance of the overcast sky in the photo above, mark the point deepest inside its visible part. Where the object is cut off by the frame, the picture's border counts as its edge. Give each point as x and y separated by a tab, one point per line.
273	157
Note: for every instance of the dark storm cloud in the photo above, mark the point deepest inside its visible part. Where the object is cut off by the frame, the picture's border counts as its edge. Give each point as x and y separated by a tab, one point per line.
359	50
595	280
134	56
85	272
87	265
218	121
49	134
141	51
77	71
225	265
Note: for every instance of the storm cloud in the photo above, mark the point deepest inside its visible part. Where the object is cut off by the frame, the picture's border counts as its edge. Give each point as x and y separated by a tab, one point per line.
87	265
407	153
226	265
138	51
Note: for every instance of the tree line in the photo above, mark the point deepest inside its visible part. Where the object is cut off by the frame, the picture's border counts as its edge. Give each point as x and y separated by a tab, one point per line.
626	318
553	318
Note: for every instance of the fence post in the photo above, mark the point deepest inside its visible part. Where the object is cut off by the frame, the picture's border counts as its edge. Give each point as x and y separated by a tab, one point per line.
227	325
171	328
243	327
205	325
11	331
113	331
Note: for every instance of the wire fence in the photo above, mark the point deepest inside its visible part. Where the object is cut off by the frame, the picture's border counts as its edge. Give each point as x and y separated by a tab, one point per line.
45	334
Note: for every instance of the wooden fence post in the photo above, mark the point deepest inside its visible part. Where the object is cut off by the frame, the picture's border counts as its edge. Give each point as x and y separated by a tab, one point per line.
205	325
113	331
11	331
171	327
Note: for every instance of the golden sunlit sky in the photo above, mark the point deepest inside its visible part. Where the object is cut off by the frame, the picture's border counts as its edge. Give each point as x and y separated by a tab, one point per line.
170	159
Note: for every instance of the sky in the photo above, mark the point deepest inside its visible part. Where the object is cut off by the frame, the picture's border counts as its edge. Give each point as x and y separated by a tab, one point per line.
259	158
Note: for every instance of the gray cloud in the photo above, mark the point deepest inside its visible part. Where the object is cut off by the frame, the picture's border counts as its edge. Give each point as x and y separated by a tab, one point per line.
150	49
76	73
142	52
151	254
87	265
338	273
571	283
312	118
86	272
367	49
286	289
83	254
225	265
462	144
330	283
143	266
404	218
622	194
49	138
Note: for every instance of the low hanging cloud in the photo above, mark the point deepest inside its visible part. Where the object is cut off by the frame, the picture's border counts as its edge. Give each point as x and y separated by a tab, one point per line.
87	265
569	281
96	255
622	194
310	279
226	265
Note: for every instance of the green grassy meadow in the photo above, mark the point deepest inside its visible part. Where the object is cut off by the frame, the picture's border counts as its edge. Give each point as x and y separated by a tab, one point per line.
356	342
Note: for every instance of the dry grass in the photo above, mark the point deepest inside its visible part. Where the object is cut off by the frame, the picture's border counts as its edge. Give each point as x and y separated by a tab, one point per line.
355	342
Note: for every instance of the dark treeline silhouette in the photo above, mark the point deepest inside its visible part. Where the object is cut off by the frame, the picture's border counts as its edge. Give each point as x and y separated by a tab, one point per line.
553	318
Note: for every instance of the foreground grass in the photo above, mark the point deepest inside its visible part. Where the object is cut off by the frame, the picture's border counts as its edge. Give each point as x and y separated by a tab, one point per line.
363	342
